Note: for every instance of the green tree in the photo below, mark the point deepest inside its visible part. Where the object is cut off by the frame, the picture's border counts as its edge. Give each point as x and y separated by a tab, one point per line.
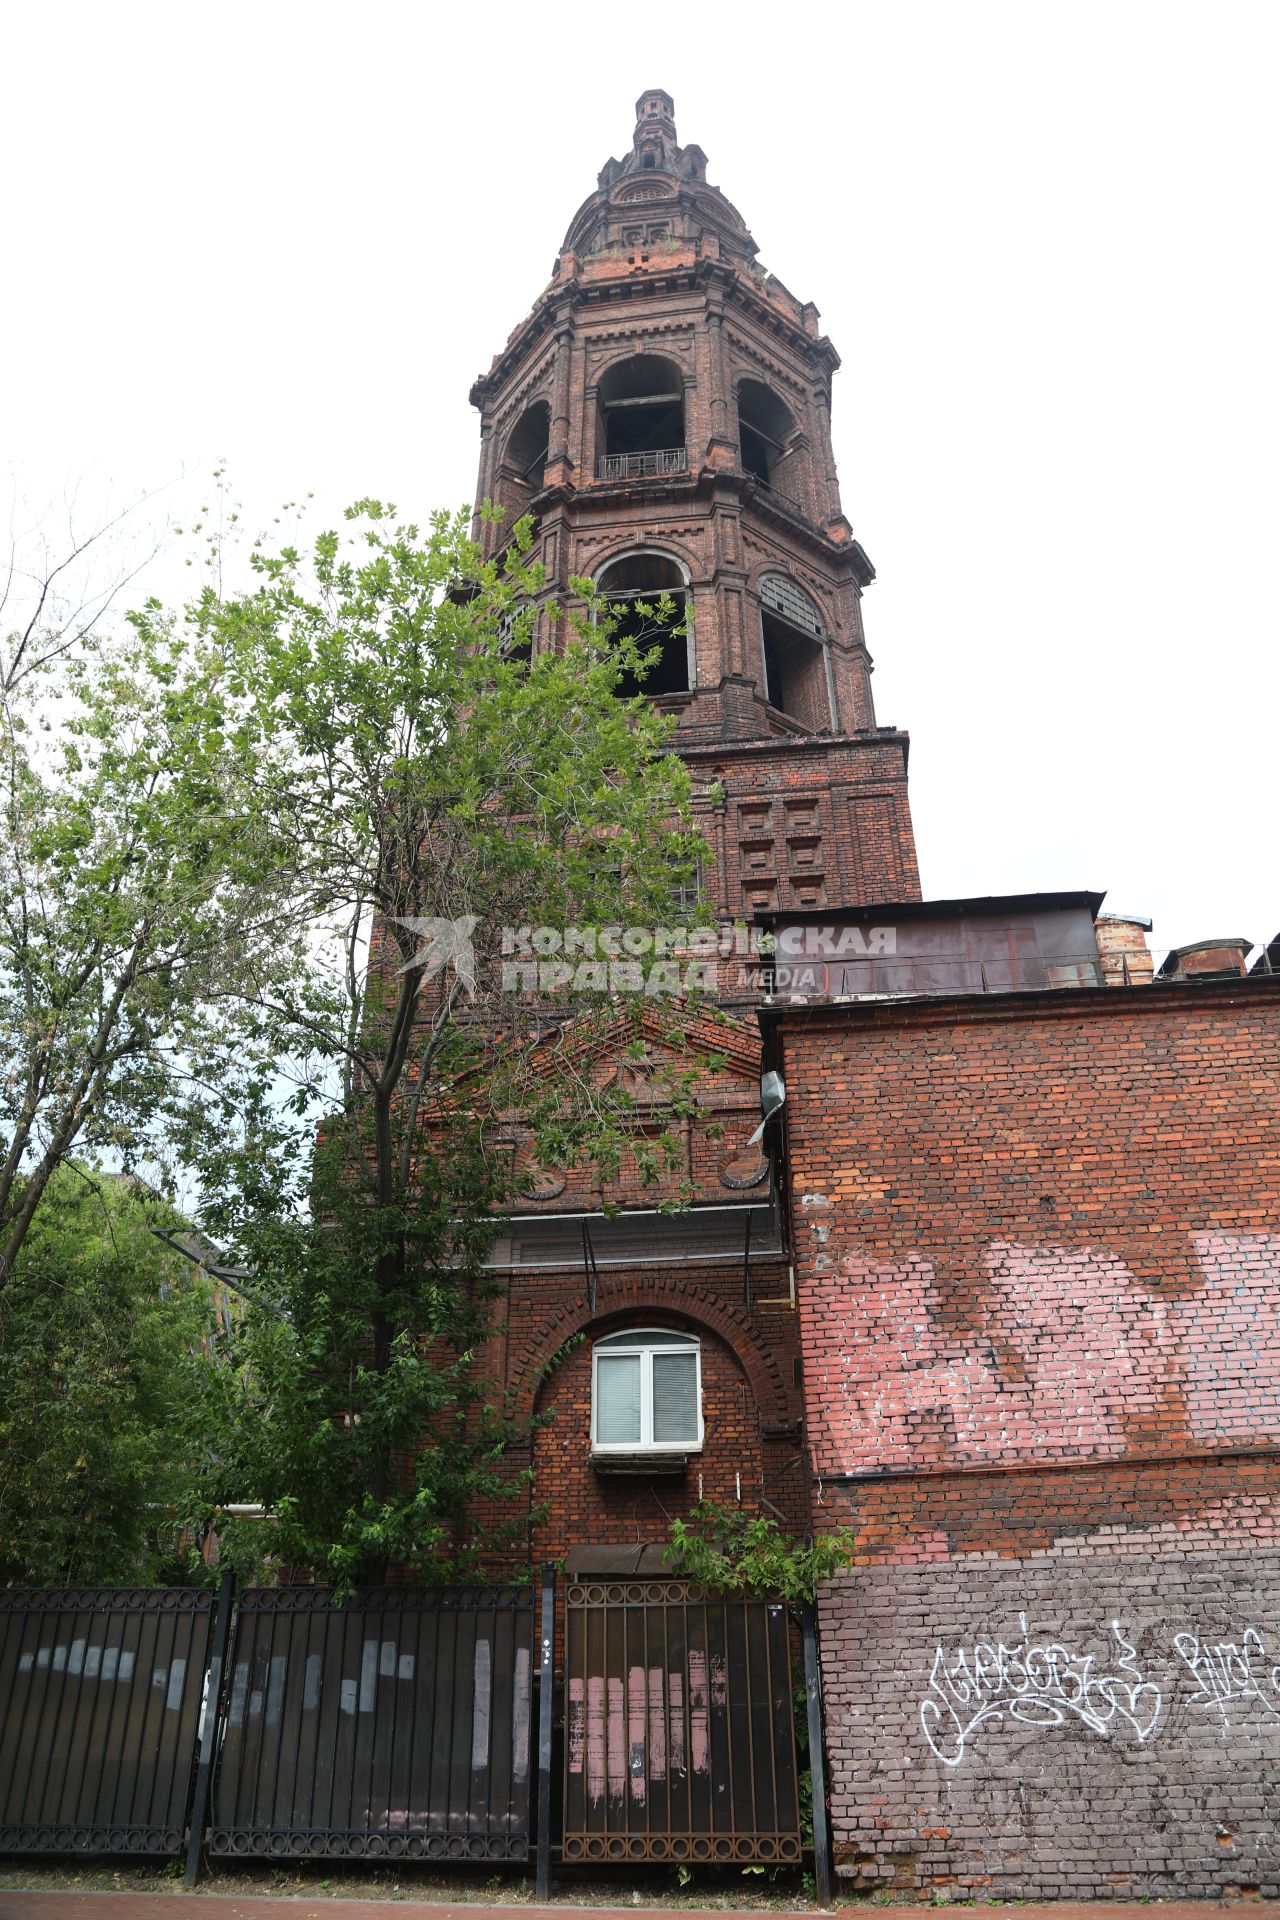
138	890
105	1342
430	782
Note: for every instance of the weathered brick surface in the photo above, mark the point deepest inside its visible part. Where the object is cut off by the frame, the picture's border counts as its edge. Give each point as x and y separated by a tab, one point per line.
1114	1507
1038	1259
751	1401
1108	1728
1038	1227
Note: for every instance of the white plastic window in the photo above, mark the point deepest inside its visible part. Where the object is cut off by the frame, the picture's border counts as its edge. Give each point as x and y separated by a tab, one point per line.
646	1392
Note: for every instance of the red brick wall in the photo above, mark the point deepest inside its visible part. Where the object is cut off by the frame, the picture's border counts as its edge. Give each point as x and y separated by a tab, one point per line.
1038	1261
590	1508
751	1399
1038	1228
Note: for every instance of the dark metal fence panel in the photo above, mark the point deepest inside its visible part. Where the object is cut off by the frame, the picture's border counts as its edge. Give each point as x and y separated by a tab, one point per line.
100	1696
679	1735
395	1726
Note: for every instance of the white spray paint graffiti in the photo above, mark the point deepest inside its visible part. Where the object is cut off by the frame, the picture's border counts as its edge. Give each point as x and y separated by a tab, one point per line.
1231	1672
1039	1683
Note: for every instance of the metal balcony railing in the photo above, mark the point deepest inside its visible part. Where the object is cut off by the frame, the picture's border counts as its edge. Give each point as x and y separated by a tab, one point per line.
642	466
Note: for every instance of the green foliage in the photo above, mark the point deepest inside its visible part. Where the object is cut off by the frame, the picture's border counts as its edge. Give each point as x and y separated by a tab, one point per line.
419	767
732	1551
104	1343
354	1409
217	859
139	887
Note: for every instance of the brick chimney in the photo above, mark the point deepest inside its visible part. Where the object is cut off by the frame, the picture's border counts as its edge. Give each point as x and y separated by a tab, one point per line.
1206	959
1123	950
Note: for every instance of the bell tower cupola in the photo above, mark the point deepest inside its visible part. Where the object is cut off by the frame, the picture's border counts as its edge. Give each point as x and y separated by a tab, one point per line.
664	415
654	143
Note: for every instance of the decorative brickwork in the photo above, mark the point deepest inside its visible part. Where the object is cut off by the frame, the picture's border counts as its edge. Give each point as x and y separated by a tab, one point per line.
660	324
666	399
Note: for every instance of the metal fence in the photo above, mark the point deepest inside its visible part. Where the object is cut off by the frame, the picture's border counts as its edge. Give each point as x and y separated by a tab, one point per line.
100	1698
396	1726
399	1725
679	1730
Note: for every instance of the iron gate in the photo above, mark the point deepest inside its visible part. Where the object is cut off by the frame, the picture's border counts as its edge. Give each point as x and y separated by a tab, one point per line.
679	1736
100	1693
396	1725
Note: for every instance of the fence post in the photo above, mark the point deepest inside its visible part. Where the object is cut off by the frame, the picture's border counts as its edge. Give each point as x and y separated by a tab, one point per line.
209	1724
823	1887
546	1691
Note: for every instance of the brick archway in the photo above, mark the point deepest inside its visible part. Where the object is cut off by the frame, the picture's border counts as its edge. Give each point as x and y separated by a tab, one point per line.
627	1298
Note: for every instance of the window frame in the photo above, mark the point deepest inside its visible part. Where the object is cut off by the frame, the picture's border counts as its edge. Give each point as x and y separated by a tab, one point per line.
784	606
624	1342
628	596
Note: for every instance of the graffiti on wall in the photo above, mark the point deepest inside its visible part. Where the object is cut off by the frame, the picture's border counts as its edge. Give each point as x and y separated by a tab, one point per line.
1230	1673
1038	1683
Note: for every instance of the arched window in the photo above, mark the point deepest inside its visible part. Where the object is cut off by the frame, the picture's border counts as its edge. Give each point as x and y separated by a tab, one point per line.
646	1392
525	454
641	426
640	580
766	444
794	646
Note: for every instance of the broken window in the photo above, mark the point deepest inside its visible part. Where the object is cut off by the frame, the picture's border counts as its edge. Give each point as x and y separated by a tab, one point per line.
515	633
641	427
646	594
686	898
795	657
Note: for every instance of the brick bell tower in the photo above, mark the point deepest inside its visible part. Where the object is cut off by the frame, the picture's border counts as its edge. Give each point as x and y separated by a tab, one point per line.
663	415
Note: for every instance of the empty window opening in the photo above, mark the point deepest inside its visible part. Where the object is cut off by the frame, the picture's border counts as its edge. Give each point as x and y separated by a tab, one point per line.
642	407
526	450
646	1392
795	662
756	451
795	674
643	581
515	633
766	430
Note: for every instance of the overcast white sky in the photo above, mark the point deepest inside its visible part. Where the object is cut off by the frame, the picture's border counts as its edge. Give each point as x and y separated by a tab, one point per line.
1042	236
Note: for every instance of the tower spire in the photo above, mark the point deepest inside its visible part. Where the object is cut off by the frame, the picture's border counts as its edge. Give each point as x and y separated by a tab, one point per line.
664	415
654	141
